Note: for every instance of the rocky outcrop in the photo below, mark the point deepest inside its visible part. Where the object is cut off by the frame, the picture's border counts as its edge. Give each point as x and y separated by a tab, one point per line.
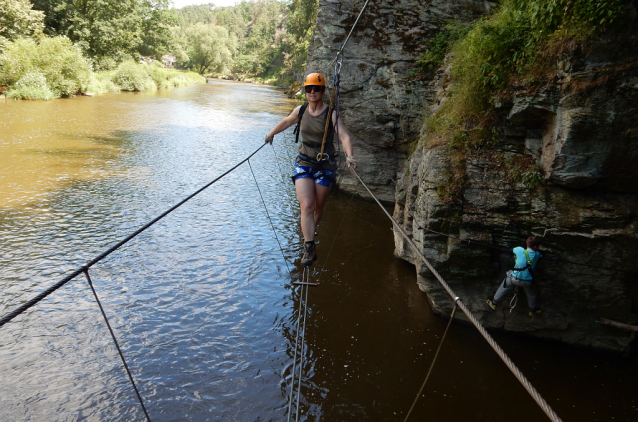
582	133
563	169
381	104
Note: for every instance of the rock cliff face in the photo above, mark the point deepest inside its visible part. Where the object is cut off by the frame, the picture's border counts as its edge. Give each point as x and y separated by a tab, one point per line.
581	132
380	104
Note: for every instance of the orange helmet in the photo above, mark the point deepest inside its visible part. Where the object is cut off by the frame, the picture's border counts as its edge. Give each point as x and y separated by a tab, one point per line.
315	79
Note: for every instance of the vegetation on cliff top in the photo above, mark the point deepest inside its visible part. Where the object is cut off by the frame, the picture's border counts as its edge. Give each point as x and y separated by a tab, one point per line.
517	47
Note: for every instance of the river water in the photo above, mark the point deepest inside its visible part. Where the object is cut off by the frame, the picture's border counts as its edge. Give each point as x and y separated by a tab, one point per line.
202	302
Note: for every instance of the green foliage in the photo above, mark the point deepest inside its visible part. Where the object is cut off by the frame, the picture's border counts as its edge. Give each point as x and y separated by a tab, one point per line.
100	82
208	48
31	86
268	39
131	76
512	46
61	63
18	20
108	28
505	48
300	26
507	44
532	179
439	46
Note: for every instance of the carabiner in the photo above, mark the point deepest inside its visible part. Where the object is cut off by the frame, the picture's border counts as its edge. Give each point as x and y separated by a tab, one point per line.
324	156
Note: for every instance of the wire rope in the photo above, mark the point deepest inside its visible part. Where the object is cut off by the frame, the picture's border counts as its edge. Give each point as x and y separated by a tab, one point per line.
433	362
508	362
470	242
117	346
300	335
21	309
269	219
340	52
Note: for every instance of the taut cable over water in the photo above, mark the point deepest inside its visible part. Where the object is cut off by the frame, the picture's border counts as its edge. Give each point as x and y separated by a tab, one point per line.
85	270
457	300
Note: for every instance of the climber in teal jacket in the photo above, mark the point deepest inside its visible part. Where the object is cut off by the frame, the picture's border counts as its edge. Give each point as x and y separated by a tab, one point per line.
522	275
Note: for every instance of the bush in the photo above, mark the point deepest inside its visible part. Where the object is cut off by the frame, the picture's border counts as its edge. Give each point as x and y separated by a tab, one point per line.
101	82
61	63
131	76
32	86
159	75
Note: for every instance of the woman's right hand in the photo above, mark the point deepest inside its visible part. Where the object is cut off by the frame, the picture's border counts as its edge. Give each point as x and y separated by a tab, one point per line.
269	139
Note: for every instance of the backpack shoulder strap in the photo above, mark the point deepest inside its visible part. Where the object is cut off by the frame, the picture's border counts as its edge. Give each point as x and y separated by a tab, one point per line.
302	109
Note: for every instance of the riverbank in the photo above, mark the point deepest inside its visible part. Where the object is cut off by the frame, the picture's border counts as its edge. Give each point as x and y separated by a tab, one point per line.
128	77
55	68
292	91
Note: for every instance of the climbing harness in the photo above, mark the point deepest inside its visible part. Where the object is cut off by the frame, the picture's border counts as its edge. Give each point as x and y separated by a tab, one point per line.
528	267
529	264
508	362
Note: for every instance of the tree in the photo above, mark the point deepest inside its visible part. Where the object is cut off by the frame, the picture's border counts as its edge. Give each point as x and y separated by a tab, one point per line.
110	28
56	58
300	25
208	48
17	19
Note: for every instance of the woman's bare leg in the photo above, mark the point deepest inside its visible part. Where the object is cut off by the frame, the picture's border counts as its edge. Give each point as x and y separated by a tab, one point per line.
306	194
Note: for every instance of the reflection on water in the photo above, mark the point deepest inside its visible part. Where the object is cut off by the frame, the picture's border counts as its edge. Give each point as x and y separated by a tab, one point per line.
202	302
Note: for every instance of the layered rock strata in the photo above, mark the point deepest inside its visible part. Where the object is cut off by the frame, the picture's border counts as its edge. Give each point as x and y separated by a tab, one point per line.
582	134
380	103
579	134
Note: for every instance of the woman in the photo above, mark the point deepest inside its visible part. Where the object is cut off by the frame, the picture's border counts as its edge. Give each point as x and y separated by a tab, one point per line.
314	174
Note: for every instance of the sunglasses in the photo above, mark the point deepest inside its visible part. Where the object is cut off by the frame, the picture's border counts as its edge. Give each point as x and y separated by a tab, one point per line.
313	88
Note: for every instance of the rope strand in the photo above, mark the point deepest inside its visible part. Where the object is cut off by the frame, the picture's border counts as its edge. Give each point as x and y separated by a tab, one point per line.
21	309
117	346
517	373
269	219
433	361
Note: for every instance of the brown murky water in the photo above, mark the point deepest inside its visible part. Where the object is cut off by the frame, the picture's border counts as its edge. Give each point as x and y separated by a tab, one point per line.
202	302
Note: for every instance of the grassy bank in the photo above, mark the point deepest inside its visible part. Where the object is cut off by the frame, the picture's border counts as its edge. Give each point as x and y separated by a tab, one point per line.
52	67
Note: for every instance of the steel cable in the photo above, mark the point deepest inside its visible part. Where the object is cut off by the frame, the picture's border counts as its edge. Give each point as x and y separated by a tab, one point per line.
117	346
340	52
432	364
269	219
300	335
8	317
517	373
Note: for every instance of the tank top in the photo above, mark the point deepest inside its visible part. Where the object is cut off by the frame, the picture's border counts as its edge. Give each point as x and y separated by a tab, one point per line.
311	130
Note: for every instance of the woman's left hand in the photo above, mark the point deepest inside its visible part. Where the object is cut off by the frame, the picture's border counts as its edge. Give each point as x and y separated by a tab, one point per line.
351	162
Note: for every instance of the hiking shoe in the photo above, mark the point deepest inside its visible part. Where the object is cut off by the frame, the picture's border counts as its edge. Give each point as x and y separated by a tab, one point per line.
490	303
310	254
533	312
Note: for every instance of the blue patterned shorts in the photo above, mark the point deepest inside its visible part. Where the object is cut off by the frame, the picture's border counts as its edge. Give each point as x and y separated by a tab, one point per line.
320	176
